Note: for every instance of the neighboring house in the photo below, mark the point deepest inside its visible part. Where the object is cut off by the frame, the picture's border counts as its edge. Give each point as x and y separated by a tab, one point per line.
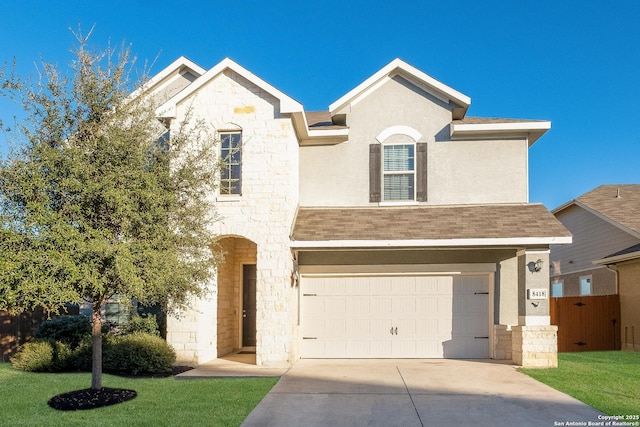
626	263
603	221
389	226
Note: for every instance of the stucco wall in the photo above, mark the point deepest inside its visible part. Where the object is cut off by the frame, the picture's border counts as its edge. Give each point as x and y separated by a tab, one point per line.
603	282
629	277
459	172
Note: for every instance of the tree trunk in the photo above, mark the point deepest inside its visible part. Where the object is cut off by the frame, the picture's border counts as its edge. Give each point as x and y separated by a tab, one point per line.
96	359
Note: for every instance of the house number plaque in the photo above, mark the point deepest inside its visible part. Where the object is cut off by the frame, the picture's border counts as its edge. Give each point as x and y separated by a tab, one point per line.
537	294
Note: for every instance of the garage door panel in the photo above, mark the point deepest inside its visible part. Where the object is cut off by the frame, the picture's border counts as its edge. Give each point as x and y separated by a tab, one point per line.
403	306
404	316
357	307
382	305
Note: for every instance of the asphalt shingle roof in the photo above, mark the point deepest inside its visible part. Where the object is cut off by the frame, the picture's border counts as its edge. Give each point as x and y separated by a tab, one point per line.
427	222
321	120
620	203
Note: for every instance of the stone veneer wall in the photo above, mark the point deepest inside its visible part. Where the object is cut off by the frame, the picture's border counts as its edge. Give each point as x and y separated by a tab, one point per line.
188	333
263	214
236	252
535	346
501	342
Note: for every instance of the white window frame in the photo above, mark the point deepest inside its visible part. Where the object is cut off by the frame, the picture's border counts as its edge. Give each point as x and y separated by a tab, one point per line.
559	283
224	164
401	172
590	278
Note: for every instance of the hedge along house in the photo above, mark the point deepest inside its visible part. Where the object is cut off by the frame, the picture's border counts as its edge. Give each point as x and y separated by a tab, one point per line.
389	226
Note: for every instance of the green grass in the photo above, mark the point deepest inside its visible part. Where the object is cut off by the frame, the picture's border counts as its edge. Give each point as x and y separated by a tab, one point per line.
160	401
606	380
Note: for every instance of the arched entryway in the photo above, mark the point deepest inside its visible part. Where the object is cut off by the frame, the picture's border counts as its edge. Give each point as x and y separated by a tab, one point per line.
236	323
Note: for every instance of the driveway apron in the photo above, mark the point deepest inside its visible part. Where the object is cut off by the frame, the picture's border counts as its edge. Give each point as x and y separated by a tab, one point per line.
413	393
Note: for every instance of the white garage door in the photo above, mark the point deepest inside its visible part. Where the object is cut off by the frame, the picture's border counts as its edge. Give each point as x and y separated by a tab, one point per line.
395	317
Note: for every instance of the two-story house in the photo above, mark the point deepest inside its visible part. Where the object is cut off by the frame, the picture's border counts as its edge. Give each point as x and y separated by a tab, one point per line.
390	226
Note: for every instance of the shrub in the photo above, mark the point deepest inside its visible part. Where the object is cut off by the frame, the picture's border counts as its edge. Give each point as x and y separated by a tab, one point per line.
80	359
42	356
137	354
141	324
67	329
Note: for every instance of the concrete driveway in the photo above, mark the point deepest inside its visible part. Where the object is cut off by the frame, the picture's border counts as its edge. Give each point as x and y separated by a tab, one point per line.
413	393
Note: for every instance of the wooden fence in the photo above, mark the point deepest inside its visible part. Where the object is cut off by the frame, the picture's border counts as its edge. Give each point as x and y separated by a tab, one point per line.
587	323
18	329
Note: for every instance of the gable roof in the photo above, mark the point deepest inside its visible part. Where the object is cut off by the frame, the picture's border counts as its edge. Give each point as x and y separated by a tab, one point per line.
424	226
180	66
287	104
396	67
618	204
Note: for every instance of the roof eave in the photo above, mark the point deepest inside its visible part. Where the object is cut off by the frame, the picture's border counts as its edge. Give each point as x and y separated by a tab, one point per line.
308	136
431	243
531	130
619	258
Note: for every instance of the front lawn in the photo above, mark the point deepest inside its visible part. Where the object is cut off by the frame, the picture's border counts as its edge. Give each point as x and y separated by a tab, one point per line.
606	380
160	401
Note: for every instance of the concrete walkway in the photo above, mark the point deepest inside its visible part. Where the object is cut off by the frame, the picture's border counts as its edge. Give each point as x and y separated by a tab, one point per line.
413	393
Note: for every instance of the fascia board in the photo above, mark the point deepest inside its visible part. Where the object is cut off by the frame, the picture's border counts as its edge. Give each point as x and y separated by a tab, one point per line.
563	206
167	71
511	241
287	104
616	259
532	130
308	136
390	70
500	127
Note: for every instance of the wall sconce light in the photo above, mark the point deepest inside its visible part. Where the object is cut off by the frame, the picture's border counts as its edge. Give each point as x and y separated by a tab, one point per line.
534	267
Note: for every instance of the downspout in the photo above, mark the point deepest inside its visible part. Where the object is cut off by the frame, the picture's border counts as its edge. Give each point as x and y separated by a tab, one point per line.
613	268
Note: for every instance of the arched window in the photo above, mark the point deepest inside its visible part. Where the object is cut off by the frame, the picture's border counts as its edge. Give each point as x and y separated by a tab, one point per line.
398	166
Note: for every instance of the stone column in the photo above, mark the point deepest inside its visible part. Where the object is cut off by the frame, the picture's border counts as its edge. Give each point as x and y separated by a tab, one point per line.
534	340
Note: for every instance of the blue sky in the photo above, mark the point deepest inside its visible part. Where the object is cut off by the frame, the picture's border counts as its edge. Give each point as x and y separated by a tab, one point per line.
575	63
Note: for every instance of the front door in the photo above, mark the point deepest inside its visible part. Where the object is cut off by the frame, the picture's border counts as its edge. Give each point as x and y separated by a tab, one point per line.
249	305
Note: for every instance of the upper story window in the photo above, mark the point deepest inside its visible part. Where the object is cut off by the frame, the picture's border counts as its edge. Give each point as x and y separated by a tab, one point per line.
398	166
398	172
231	163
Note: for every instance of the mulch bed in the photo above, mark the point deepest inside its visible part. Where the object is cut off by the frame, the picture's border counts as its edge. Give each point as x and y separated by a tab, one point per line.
89	398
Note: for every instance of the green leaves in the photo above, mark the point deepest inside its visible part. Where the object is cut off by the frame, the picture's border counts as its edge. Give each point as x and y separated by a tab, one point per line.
91	205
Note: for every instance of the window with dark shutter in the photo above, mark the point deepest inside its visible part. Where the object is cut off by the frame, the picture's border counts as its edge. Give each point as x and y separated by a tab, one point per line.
421	172
375	173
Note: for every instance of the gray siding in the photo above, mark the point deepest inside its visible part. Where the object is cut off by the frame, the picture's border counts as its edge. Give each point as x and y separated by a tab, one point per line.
593	238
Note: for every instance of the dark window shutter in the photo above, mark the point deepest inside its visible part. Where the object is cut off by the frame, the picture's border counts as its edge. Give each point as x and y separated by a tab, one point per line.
421	172
375	172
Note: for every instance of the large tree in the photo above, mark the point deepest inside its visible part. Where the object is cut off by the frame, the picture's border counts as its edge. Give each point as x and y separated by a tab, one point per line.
98	200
